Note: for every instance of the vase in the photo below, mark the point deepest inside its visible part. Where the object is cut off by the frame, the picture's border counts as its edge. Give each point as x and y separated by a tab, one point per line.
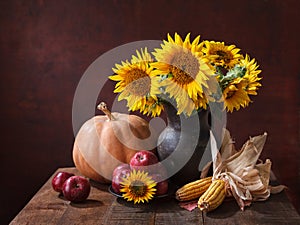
182	144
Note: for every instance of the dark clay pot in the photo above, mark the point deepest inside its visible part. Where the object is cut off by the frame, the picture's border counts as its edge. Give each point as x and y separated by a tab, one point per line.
182	144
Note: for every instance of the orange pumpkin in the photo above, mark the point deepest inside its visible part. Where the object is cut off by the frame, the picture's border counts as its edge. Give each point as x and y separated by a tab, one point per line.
105	141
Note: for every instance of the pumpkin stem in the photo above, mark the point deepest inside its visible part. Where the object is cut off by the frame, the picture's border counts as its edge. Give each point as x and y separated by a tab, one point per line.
103	107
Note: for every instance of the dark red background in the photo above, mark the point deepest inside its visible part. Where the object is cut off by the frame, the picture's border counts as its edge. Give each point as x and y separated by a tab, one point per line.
46	46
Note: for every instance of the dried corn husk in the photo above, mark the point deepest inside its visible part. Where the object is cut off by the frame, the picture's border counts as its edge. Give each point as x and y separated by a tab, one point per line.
227	150
246	179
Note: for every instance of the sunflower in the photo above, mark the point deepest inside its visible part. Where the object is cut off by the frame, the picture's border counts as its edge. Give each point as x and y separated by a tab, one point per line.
185	71
153	107
137	82
235	95
138	187
251	76
186	105
219	54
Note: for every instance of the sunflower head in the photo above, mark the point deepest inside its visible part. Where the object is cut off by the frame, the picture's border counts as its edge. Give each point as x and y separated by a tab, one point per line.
137	82
184	72
240	82
153	107
219	54
251	77
235	95
138	187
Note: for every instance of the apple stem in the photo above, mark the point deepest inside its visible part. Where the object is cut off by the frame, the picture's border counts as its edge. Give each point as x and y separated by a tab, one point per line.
103	107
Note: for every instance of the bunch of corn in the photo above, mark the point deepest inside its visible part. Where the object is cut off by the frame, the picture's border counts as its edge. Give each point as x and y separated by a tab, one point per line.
213	196
210	193
193	190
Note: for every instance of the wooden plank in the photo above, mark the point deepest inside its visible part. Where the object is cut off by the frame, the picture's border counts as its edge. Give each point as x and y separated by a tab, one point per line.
158	211
121	211
44	208
276	210
169	212
47	207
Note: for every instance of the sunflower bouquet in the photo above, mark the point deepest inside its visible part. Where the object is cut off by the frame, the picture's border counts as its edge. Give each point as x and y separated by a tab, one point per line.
191	73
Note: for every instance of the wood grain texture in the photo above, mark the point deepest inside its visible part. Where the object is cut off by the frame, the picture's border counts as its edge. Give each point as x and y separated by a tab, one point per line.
45	47
101	207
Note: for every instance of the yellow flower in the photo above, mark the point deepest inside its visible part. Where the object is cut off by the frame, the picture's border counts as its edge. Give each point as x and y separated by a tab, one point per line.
186	105
153	107
181	61
137	82
219	54
235	95
251	76
138	187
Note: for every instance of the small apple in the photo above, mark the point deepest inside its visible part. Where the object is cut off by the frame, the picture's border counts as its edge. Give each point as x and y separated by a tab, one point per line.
161	186
59	179
76	189
119	168
119	174
142	159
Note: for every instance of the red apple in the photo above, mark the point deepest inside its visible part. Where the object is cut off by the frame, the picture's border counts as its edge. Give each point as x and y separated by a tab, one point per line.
141	160
76	189
161	186
119	169
119	174
59	179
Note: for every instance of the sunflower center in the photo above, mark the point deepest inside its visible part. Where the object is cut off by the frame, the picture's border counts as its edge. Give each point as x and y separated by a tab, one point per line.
138	188
184	67
223	55
230	94
138	82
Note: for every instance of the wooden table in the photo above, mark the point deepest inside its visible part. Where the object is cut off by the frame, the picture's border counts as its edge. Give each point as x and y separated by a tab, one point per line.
47	207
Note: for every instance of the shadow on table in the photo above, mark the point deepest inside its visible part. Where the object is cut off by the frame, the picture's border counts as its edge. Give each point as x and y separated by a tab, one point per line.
227	209
154	205
99	186
89	203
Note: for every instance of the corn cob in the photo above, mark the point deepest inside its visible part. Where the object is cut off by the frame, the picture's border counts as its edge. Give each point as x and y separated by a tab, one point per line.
213	196
193	189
